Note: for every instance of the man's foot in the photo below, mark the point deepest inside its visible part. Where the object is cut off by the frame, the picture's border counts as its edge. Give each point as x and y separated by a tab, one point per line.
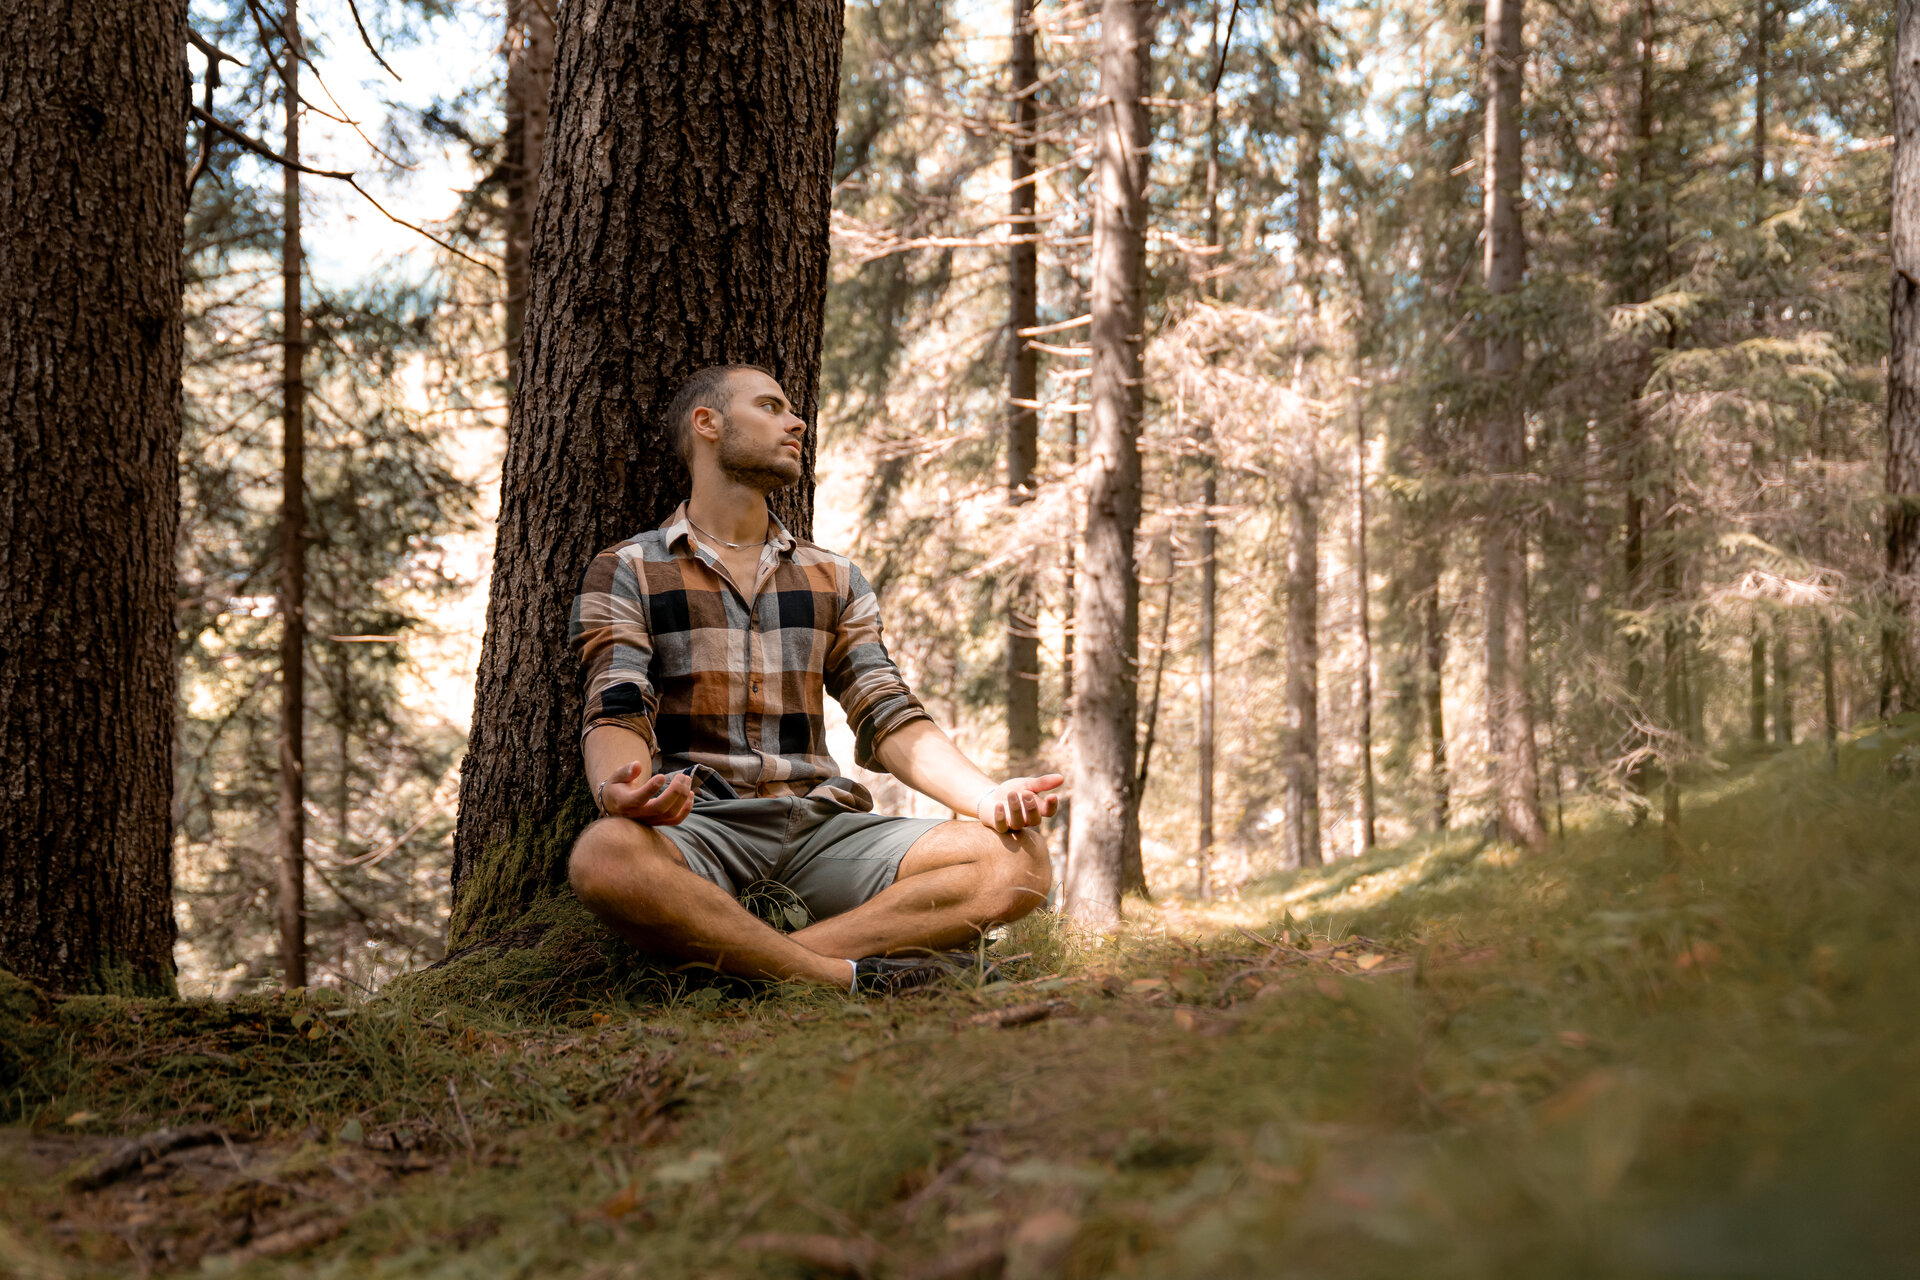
893	975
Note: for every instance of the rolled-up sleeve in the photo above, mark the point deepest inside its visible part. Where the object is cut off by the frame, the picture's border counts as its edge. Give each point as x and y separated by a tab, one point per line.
609	634
862	677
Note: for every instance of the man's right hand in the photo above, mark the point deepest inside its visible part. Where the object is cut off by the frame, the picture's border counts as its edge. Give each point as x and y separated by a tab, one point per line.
655	802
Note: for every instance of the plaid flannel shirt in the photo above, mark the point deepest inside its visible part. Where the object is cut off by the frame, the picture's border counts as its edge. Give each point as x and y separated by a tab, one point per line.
672	650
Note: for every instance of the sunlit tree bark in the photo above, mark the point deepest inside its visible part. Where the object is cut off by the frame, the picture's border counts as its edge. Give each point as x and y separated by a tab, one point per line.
685	224
1103	858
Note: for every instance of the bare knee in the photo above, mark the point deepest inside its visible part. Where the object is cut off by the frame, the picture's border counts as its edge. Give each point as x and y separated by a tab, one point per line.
1018	875
601	866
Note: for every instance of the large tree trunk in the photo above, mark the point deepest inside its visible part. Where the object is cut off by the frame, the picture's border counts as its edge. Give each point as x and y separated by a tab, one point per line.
685	224
529	48
1103	843
1023	389
93	125
1301	765
1900	680
1510	746
290	834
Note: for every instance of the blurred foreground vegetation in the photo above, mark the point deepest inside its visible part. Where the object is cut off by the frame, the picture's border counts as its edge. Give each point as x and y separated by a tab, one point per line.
1615	1059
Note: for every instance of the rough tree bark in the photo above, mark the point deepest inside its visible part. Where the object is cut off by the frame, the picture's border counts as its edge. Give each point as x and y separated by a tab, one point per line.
529	48
1103	841
290	832
1516	777
93	135
685	224
1301	763
1900	649
1023	389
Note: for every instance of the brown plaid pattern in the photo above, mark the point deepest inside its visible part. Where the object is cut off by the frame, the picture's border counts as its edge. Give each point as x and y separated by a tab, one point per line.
671	650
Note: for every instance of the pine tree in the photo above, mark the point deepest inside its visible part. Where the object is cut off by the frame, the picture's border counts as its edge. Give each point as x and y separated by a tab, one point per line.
1103	857
90	357
683	223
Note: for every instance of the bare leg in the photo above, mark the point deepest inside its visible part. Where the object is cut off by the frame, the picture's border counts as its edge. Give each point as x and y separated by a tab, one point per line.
957	880
637	881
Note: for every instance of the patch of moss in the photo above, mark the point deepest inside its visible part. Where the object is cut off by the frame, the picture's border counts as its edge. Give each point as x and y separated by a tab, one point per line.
515	876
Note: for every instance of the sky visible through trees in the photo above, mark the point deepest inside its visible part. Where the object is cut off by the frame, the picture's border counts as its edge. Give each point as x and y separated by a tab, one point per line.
1686	343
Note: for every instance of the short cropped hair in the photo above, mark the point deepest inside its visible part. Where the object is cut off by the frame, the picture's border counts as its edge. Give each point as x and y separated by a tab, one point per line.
710	388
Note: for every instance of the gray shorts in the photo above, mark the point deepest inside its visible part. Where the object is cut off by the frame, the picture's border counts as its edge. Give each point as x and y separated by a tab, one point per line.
832	857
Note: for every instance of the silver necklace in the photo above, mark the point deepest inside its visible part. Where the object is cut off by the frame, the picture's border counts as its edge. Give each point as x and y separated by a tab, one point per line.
735	546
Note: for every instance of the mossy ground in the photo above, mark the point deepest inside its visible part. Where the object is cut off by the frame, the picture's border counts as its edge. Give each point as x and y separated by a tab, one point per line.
1439	1060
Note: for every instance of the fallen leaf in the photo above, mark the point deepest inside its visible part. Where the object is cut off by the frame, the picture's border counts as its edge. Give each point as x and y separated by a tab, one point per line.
83	1117
620	1203
602	1019
1371	960
1141	986
1184	1019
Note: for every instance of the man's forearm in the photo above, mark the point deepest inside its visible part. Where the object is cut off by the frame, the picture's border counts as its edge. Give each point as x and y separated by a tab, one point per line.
921	755
610	748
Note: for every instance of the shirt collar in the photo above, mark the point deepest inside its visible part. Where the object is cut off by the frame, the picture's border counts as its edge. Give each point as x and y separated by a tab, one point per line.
679	527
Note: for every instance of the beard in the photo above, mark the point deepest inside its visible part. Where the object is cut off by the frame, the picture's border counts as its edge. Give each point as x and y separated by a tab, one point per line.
763	468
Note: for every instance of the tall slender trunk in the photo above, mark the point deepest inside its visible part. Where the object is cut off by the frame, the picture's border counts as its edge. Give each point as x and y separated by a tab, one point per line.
1829	698
1510	744
1757	686
1759	94
1302	757
1023	389
1673	676
1782	687
93	117
1367	839
529	46
1900	644
1103	859
291	831
1152	726
1433	648
1209	498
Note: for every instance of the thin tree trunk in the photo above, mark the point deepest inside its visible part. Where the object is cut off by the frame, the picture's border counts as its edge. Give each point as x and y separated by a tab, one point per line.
1302	758
685	224
1509	714
529	45
1782	688
291	830
1829	699
1103	857
1757	686
94	125
1361	585
1672	660
1209	497
1900	644
1303	679
1023	389
1433	645
1159	668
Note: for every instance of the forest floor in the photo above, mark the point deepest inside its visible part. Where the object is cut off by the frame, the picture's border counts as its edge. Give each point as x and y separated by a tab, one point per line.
1614	1059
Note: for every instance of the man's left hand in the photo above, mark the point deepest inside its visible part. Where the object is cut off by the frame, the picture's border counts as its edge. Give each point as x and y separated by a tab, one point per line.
1020	802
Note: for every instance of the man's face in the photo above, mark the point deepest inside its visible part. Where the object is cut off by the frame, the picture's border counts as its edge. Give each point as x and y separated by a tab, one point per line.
760	437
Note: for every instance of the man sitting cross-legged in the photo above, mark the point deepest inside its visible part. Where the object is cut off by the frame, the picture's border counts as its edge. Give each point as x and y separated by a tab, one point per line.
707	646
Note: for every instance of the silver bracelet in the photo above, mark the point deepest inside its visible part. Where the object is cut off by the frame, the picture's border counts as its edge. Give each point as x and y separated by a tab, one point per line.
600	798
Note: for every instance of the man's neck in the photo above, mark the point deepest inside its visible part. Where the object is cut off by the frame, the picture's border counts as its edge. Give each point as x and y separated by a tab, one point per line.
729	511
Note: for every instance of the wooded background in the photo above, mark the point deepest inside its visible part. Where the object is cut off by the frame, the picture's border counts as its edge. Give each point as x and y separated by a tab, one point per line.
1307	424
